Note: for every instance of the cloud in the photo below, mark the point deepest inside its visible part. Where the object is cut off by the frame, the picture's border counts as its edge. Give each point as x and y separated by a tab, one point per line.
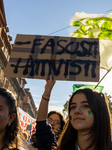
37	96
57	108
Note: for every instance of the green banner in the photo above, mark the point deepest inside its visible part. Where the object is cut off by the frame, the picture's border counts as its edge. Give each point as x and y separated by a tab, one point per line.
82	86
96	26
92	26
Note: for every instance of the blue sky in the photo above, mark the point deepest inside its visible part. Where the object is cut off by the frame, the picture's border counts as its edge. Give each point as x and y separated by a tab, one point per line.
45	17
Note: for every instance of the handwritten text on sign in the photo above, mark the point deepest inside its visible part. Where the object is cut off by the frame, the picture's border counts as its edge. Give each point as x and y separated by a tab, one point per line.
25	120
35	56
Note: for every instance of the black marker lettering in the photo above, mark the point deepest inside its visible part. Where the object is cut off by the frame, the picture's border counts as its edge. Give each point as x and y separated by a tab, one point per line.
43	62
86	67
16	66
55	65
66	67
66	48
50	43
63	50
95	49
35	44
22	43
25	72
88	51
93	68
57	71
73	64
52	65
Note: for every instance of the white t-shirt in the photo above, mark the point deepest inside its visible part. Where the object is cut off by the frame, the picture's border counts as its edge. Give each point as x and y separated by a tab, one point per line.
78	147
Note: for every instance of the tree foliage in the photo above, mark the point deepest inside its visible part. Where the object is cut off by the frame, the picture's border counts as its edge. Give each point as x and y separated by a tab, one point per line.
110	102
65	111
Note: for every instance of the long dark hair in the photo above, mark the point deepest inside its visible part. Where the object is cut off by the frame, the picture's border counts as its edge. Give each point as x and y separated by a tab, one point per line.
100	133
10	137
62	121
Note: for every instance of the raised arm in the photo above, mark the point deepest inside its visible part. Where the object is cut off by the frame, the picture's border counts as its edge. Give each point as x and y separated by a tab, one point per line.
43	107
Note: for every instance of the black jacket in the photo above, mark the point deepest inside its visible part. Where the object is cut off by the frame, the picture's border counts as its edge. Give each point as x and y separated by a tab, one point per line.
45	136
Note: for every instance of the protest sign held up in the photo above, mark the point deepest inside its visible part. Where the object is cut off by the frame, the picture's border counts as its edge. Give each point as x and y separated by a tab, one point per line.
36	56
26	121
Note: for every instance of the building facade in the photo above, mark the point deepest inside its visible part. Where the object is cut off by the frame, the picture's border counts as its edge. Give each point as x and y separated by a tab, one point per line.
12	84
16	85
29	105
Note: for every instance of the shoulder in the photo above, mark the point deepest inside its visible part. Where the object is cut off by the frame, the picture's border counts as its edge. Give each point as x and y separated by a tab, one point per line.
42	127
41	123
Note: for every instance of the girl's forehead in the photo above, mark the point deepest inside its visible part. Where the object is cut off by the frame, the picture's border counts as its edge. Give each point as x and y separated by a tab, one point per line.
79	97
3	103
2	100
54	116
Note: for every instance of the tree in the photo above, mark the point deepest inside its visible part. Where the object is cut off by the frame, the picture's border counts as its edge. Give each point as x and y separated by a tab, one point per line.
110	102
65	112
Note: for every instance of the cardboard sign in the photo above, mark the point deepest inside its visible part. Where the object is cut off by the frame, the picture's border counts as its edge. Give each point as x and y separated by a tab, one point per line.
34	56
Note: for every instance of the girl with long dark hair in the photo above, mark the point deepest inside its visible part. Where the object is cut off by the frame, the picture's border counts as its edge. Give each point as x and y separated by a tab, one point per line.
88	126
10	131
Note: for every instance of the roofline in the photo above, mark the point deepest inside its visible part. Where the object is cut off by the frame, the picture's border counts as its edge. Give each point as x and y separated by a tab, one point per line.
3	10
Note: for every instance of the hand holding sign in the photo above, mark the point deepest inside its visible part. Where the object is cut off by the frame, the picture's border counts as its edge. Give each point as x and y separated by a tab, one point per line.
43	107
49	85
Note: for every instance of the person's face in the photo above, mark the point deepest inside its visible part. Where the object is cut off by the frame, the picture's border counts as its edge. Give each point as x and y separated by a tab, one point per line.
54	120
81	118
5	118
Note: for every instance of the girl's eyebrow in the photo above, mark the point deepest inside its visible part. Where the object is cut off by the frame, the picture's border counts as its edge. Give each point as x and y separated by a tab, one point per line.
1	106
81	102
84	102
72	103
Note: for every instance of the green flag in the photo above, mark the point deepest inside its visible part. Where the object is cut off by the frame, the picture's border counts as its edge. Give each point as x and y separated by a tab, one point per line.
96	26
82	86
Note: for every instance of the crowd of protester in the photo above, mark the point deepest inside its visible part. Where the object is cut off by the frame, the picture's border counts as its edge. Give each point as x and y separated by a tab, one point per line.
87	127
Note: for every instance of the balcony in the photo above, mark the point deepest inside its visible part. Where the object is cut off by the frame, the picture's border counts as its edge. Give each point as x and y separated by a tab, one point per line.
5	39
